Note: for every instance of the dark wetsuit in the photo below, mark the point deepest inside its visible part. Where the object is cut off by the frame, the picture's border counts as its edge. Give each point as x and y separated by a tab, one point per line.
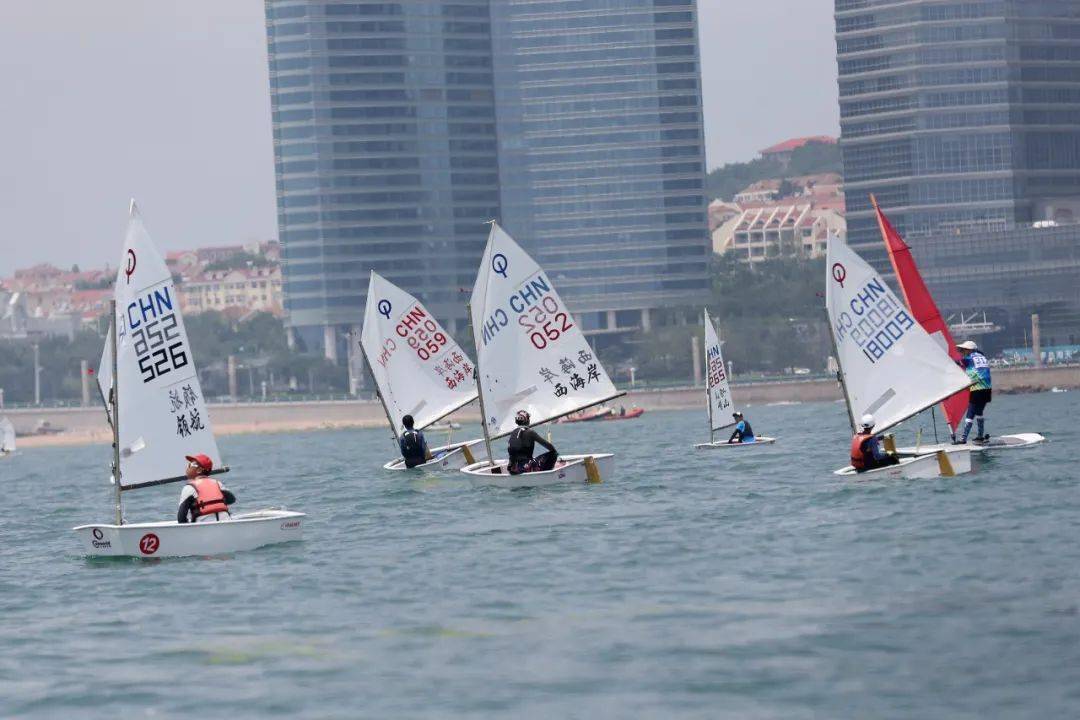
743	433
520	449
413	448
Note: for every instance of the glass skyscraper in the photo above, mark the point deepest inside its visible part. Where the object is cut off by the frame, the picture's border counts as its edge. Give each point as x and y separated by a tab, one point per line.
394	123
963	118
958	115
601	150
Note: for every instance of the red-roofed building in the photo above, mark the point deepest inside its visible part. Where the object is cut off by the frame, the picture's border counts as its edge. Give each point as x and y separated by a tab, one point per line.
782	151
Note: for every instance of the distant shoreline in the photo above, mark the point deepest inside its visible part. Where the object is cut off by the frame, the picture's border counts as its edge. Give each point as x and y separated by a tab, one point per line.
87	426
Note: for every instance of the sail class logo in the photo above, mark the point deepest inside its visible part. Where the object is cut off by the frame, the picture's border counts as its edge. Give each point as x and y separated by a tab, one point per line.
499	264
384	308
839	273
129	268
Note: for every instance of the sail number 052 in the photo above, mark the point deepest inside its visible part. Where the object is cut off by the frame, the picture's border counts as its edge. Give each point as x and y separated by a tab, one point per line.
545	322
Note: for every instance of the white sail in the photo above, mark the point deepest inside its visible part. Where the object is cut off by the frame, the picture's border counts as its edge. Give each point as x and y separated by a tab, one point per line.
163	415
892	368
7	436
419	369
532	354
721	405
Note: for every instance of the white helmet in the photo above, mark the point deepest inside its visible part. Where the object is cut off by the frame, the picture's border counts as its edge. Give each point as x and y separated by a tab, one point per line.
868	420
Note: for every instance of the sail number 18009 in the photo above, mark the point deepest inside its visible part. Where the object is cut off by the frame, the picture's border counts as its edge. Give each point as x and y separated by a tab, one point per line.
545	321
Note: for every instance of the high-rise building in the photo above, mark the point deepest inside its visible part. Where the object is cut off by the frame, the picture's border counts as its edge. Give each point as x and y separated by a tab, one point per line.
601	150
400	128
384	144
963	118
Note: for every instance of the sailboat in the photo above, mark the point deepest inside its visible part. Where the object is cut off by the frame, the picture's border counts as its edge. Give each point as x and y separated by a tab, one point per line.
155	405
889	366
7	437
925	311
718	395
417	368
530	355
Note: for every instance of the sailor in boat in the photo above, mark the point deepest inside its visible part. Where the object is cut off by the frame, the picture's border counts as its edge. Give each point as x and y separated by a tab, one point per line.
743	432
977	367
414	447
203	498
867	452
521	445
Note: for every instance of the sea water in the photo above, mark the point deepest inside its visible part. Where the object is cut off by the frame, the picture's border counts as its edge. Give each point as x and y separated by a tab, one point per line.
729	584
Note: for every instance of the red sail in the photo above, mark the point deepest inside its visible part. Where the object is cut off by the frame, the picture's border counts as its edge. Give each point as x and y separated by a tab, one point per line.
921	304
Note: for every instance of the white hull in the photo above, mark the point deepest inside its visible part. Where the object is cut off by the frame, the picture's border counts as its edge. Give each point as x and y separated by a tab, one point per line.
922	467
722	444
171	539
573	471
1003	442
452	458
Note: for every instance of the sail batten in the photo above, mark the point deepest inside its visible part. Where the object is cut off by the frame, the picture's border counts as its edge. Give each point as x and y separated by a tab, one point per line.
418	367
892	368
530	350
162	410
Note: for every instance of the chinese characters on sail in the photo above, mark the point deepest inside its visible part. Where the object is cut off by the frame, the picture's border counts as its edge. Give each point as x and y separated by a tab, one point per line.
571	376
184	406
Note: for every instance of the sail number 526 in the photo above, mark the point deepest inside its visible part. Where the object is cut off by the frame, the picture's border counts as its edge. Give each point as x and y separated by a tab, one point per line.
545	322
158	347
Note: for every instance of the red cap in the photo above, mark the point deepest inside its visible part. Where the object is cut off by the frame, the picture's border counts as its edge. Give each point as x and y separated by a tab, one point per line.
202	461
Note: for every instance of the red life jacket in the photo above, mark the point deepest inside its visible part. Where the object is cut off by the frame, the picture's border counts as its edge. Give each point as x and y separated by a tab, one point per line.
208	497
859	460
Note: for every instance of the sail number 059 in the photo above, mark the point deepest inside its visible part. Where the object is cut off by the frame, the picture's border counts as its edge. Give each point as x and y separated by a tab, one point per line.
426	339
545	322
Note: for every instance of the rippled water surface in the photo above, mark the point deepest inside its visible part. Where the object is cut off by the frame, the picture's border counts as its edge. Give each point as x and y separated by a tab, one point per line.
692	584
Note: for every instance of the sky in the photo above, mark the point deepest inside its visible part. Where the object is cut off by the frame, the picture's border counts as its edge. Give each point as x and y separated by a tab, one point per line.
167	101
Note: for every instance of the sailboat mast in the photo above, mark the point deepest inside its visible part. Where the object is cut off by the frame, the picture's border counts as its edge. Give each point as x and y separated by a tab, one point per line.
378	394
708	388
480	390
115	399
840	373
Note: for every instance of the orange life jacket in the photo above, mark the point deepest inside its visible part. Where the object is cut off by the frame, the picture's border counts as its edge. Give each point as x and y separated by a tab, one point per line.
859	460
208	497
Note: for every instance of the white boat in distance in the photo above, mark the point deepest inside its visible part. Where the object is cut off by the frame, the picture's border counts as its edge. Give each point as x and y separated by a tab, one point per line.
417	368
889	366
718	397
158	416
7	437
530	355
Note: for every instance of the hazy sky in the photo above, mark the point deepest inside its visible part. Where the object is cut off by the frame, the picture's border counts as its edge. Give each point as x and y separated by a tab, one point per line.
167	101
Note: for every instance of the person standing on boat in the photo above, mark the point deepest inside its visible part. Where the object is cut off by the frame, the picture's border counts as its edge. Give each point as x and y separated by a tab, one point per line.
203	498
522	444
867	452
413	445
743	432
977	367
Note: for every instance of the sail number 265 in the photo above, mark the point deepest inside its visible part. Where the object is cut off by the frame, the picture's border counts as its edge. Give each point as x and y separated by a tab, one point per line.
545	322
158	347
